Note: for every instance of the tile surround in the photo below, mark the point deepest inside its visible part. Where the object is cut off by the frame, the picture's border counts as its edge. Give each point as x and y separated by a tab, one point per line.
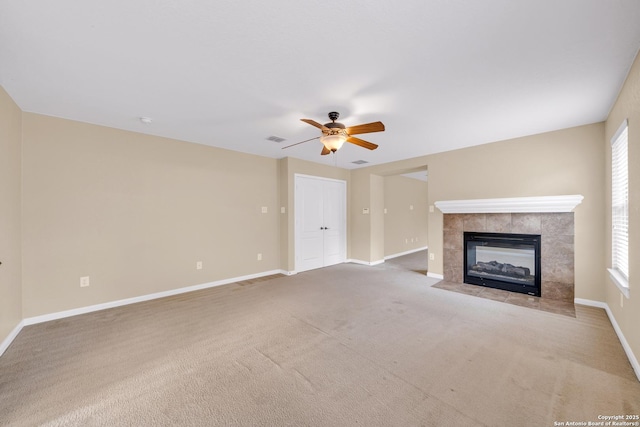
557	246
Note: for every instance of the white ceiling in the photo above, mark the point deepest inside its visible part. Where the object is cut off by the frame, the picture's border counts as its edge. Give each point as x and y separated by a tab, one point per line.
440	74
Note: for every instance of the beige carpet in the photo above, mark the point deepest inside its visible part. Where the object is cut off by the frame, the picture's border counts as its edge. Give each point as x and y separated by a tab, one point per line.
341	346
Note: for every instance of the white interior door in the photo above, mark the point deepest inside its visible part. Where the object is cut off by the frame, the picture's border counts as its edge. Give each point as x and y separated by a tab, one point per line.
334	214
309	224
320	225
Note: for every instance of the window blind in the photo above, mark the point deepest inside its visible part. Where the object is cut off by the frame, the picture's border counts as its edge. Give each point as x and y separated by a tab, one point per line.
620	201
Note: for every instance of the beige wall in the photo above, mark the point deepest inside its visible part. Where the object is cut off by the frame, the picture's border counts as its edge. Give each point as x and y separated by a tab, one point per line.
568	161
286	235
360	224
626	107
401	224
135	212
10	215
376	214
376	235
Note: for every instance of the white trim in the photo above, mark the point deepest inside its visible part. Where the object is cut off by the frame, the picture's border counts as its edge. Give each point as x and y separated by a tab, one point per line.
358	261
381	261
591	303
513	204
127	301
318	177
4	345
424	248
625	345
620	281
68	313
621	128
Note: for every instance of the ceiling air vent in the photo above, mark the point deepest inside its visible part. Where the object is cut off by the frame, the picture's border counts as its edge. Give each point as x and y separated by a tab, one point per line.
275	139
359	162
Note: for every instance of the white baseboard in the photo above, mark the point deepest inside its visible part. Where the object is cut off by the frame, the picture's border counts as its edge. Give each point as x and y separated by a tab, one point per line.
424	248
82	310
127	301
625	345
4	345
358	261
381	261
591	303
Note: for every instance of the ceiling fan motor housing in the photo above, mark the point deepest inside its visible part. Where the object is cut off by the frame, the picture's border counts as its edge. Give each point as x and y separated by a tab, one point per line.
334	127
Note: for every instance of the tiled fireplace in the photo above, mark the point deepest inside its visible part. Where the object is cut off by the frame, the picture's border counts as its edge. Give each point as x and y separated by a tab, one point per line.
556	231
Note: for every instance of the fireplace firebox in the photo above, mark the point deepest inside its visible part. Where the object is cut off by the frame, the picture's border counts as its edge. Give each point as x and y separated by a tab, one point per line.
506	261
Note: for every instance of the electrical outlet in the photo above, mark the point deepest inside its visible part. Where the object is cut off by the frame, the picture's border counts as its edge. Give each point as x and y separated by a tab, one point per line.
432	257
264	209
199	265
259	257
431	209
410	207
283	210
84	281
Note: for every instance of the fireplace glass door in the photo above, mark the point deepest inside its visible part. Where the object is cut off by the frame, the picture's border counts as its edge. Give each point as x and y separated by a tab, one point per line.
504	261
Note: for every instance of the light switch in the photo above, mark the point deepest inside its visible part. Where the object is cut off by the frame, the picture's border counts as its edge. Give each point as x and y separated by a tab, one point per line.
264	209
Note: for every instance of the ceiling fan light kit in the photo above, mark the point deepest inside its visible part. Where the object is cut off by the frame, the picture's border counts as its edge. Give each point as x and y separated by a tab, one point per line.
335	134
333	142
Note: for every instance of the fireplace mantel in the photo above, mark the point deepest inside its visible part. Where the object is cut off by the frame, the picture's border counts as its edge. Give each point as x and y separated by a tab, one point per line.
512	205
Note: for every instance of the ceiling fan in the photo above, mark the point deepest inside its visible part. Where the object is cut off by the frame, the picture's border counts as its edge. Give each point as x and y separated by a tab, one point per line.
335	134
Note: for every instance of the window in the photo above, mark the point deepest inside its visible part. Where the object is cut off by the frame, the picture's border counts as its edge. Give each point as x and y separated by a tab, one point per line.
619	270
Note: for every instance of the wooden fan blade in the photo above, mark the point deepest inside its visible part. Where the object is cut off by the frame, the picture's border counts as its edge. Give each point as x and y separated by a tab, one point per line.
325	151
301	142
314	123
368	128
362	143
